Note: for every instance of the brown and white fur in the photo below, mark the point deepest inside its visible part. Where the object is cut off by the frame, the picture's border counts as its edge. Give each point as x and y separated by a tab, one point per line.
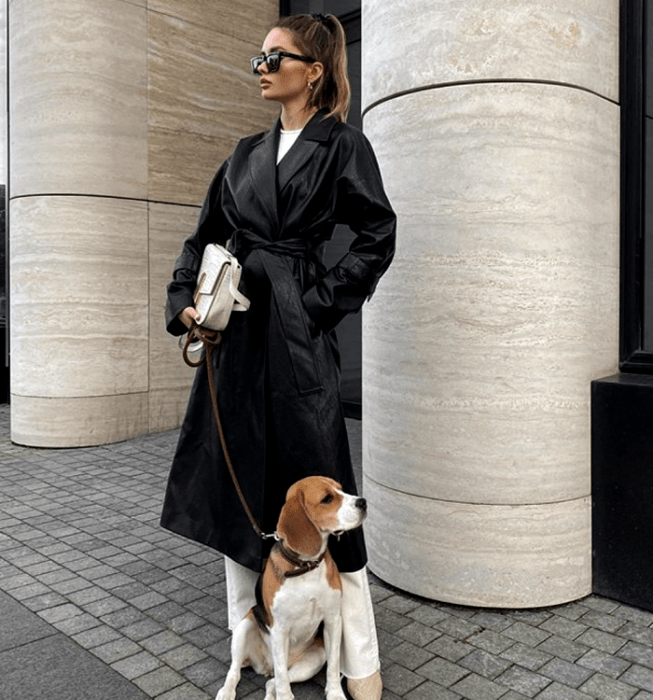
280	634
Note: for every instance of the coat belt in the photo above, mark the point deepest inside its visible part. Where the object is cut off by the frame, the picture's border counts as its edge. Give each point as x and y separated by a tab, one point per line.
288	305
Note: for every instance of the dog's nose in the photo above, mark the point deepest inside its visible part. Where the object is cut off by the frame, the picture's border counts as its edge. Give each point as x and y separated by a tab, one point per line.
361	503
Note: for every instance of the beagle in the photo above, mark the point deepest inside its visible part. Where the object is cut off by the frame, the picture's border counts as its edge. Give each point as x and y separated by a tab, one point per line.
298	590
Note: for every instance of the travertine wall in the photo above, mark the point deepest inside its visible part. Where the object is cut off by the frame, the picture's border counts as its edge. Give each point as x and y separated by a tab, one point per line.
120	111
497	128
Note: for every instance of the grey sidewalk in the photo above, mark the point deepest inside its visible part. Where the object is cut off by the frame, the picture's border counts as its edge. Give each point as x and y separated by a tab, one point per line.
97	602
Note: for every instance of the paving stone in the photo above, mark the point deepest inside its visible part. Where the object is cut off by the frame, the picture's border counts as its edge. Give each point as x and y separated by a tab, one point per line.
390	620
141	630
560	692
530	617
563	648
116	650
458	628
523	681
96	636
601	604
484	664
186	692
639	677
603	621
637	653
79	623
526	634
205	636
186	655
59	613
490	641
605	688
602	640
418	634
563	627
409	655
603	662
491	620
162	642
431	691
572	611
442	672
205	672
528	657
637	633
45	601
475	687
185	622
159	681
104	606
400	680
428	615
636	615
450	649
137	665
400	604
566	672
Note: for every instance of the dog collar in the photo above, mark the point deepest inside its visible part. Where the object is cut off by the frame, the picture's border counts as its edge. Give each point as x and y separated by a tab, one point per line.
303	565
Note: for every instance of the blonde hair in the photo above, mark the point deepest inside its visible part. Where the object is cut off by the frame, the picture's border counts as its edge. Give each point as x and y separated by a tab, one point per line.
322	38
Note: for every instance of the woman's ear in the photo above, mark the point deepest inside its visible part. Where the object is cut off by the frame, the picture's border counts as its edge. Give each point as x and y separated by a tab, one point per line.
315	72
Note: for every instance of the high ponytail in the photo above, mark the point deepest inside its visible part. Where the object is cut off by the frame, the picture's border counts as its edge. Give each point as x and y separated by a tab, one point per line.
322	37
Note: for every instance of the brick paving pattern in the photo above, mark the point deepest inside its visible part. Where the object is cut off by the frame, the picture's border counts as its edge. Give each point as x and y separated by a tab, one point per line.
80	546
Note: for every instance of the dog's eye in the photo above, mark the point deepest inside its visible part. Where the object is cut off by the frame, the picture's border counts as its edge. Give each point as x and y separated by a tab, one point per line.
327	499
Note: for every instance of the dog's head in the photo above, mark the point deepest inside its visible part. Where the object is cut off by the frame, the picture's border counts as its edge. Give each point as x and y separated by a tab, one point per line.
315	508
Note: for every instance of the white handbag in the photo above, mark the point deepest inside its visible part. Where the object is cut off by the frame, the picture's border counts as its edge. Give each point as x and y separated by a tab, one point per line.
217	295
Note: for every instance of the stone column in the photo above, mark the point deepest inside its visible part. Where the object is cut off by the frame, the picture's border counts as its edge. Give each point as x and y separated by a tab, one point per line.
120	111
497	129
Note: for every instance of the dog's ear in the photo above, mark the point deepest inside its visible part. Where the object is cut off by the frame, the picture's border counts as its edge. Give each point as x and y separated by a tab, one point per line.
296	527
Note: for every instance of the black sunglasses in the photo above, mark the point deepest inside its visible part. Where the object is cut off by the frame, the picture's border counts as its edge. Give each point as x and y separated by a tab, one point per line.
273	60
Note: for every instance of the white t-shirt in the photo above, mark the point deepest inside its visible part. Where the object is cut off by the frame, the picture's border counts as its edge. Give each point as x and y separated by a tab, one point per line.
286	140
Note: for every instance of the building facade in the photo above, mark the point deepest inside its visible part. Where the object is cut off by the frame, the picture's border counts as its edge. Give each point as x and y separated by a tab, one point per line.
498	130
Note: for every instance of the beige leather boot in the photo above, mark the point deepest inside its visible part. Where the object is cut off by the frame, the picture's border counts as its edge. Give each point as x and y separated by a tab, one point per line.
370	688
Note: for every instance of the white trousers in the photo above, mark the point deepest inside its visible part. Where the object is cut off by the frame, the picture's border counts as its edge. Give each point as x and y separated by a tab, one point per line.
359	653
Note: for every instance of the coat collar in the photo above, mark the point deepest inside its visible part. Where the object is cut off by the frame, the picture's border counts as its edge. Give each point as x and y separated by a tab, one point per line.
267	178
318	130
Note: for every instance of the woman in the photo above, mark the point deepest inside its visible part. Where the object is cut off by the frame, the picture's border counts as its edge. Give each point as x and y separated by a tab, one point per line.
277	200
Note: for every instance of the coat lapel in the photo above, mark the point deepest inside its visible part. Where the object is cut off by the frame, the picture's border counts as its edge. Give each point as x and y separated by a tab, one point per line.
317	131
263	172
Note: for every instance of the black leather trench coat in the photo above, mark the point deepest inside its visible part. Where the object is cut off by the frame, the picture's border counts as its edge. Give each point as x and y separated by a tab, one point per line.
277	368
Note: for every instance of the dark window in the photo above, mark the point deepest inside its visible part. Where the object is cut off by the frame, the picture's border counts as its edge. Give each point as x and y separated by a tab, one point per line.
637	187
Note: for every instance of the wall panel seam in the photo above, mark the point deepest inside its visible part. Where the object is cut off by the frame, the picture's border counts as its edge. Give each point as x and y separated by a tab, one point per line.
478	503
103	196
498	81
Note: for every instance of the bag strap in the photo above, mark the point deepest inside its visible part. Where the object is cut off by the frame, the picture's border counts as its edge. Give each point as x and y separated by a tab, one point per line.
212	339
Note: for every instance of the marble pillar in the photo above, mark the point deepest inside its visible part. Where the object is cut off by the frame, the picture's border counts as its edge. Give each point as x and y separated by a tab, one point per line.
120	112
497	130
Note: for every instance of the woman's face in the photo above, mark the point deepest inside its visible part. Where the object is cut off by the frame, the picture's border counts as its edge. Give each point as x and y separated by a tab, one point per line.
290	82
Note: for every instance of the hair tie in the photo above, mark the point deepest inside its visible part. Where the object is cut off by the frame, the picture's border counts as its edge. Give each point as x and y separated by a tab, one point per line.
323	20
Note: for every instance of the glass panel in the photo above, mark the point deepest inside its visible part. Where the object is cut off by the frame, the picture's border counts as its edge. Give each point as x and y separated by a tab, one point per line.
647	281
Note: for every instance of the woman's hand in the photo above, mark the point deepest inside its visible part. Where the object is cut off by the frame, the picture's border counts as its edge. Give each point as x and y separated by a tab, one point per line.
188	315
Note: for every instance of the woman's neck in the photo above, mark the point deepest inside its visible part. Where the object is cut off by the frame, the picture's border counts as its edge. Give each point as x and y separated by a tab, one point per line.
296	116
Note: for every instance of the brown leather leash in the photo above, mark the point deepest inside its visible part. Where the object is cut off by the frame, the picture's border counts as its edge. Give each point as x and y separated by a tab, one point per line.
211	339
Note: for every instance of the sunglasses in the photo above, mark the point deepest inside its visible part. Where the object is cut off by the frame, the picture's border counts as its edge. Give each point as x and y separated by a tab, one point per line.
273	60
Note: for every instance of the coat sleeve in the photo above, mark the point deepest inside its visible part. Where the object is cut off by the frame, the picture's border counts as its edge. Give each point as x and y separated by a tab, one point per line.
363	206
210	227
